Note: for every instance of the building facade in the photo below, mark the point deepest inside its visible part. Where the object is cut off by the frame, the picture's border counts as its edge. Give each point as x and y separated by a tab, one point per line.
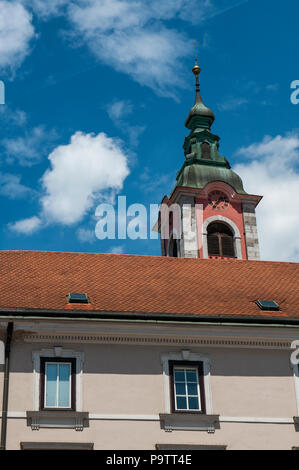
189	350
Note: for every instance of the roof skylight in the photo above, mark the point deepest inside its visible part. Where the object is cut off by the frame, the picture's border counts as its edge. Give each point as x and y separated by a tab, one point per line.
77	298
267	305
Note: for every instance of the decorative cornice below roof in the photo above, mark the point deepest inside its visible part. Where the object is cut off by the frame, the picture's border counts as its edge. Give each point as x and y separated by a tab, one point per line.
155	341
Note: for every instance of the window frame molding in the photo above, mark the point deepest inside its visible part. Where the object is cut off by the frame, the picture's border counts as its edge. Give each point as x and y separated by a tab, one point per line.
189	357
231	225
56	353
58	360
201	387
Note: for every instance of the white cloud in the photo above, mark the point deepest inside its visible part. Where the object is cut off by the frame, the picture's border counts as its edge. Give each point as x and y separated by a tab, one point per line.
134	37
231	104
12	116
29	149
80	173
91	168
197	11
46	8
119	109
11	187
16	32
26	226
129	36
272	170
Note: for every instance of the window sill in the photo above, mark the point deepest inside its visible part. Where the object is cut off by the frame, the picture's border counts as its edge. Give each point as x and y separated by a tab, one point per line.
189	422
57	419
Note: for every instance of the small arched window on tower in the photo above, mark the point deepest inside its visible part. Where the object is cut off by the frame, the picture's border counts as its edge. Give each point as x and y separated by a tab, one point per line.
220	240
206	151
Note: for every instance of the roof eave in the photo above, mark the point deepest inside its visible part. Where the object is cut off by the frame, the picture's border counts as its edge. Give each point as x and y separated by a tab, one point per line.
143	316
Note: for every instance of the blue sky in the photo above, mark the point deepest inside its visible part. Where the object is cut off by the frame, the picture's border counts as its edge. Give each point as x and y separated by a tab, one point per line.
97	92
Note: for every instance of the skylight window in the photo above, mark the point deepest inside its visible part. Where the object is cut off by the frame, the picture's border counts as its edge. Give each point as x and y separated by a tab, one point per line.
267	305
76	298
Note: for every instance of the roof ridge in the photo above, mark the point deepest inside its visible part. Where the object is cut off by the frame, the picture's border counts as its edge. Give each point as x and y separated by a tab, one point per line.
171	259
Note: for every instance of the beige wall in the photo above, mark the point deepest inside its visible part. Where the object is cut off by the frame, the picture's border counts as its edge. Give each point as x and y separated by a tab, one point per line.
127	435
127	380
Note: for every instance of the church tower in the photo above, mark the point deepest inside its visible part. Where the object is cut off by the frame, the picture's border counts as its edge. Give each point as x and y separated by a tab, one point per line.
208	214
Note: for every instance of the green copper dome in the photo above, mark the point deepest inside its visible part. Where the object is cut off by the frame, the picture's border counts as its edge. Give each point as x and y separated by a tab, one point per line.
203	163
199	114
198	175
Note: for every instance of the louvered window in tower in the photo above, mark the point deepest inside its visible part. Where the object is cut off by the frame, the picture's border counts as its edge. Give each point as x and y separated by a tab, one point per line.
220	240
206	151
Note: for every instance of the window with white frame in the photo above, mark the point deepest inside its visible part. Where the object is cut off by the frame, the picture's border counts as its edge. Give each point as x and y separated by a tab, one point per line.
187	387
58	385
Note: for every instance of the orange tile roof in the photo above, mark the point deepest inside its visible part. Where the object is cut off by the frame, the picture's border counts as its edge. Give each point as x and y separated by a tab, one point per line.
33	280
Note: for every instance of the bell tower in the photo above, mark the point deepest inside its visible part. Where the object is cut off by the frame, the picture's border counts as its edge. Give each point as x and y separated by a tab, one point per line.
208	213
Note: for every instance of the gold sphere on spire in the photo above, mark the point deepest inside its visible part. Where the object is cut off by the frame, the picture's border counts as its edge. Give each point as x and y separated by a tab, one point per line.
196	70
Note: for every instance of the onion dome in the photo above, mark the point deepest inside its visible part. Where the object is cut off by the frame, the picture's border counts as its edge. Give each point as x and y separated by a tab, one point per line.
199	115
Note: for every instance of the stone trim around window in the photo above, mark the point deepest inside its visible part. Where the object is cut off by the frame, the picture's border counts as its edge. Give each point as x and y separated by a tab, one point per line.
189	422
57	419
57	352
232	226
186	355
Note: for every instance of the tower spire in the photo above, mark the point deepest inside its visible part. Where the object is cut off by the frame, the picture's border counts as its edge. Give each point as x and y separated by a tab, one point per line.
196	70
204	115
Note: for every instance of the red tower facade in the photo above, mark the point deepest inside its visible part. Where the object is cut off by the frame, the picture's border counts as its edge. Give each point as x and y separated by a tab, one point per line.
208	214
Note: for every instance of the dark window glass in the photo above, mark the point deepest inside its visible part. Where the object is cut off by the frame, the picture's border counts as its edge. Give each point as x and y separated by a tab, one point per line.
57	383
213	245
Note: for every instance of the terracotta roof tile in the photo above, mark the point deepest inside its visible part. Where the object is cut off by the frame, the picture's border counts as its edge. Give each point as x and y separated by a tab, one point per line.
146	284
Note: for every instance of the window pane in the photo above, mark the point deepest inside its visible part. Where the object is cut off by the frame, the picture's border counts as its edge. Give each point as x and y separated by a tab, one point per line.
181	403
191	376
180	389
192	389
179	375
64	385
193	403
51	384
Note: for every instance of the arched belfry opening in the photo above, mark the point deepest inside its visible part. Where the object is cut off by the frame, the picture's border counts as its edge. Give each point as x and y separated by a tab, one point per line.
220	240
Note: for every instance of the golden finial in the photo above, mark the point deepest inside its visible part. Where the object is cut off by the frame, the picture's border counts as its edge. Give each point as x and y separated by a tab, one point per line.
196	69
